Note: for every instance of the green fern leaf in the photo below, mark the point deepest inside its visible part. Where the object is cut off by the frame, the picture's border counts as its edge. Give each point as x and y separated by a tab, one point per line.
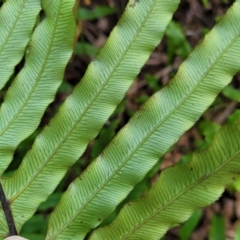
179	191
151	132
17	19
35	86
86	110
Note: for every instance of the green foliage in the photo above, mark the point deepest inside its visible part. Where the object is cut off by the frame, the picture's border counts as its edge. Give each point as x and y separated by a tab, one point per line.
177	43
231	93
217	229
87	49
208	130
134	153
190	225
152	82
237	233
97	12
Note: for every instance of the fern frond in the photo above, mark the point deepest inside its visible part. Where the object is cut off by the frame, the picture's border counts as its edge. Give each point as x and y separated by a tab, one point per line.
88	107
35	86
180	190
17	19
151	132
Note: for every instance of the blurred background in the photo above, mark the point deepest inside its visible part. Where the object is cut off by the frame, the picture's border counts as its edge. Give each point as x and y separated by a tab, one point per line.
193	19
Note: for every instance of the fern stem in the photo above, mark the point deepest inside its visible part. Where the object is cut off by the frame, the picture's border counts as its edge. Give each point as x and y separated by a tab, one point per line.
7	212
